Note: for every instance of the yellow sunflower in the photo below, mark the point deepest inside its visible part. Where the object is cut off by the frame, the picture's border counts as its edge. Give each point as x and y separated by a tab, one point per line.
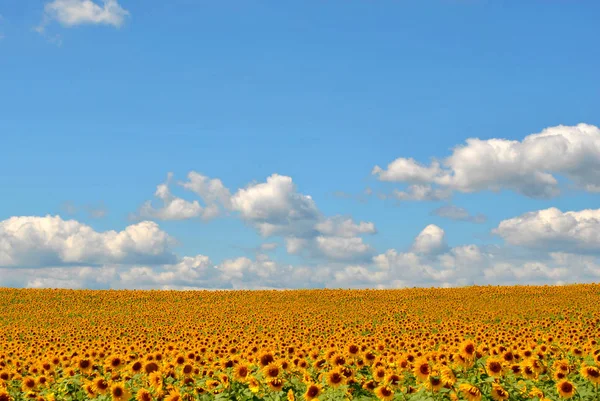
384	393
565	389
470	392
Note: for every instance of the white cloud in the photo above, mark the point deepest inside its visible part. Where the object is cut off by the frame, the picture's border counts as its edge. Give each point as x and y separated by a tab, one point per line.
420	192
294	245
552	229
454	212
409	170
211	191
526	167
344	227
463	265
42	241
79	12
175	208
343	248
275	207
430	241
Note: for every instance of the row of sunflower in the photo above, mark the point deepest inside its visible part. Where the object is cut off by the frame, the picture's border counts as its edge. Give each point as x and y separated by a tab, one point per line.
474	343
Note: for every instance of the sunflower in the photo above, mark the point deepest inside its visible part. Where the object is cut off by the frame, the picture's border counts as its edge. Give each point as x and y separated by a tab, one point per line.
275	384
114	362
4	396
265	358
565	389
136	367
422	369
224	380
85	365
240	372
591	373
319	363
173	396
119	393
180	359
150	367
447	375
272	370
470	392
536	392
312	392
393	379
528	372
253	384
100	385
384	393
187	370
143	395
379	374
42	380
494	367
335	378
559	375
155	380
353	349
499	393
89	390
435	383
467	349
28	384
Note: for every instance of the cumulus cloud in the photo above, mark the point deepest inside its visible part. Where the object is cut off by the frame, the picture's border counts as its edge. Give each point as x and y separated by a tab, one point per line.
409	170
527	167
276	207
454	212
175	208
430	241
458	266
343	248
552	229
344	227
420	192
210	190
43	241
84	12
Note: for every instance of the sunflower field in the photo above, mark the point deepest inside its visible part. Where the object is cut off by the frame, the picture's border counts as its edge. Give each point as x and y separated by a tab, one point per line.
471	343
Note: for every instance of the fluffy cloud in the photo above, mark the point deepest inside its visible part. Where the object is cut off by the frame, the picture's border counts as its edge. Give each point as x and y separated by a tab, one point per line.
174	208
79	12
211	191
276	207
552	229
409	170
454	212
462	265
430	241
344	227
43	241
420	192
343	248
526	167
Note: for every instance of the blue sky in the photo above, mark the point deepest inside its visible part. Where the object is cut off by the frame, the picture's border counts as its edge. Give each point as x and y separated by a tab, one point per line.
102	100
